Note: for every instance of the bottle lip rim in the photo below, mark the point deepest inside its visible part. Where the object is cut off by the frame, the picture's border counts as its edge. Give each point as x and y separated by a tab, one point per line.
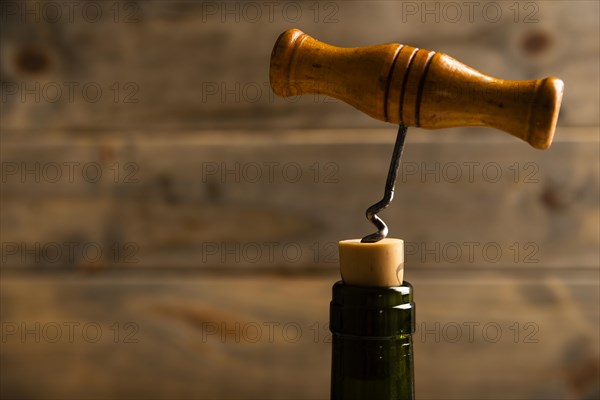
372	312
377	295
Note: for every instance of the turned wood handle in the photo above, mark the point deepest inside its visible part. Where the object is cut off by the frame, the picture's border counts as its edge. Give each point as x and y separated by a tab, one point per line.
402	84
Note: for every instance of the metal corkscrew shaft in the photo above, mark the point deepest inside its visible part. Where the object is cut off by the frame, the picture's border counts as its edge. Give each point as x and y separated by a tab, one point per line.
388	194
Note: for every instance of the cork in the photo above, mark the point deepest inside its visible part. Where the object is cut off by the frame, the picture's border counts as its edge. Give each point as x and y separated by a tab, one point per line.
372	264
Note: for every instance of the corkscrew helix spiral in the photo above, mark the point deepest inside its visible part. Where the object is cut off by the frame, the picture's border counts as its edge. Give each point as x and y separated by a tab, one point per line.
388	194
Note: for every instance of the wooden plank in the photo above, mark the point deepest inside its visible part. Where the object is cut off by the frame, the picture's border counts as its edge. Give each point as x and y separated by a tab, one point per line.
483	334
183	65
285	200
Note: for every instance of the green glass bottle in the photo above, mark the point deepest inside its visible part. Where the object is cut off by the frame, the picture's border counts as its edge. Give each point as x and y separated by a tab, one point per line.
372	331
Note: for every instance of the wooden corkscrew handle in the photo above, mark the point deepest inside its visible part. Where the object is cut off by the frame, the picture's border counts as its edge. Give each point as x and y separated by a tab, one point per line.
415	87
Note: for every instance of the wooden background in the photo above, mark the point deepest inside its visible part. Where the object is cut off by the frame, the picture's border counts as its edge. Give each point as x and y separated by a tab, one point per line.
160	204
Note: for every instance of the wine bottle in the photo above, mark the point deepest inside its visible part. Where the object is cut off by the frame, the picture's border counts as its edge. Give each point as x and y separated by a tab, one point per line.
372	325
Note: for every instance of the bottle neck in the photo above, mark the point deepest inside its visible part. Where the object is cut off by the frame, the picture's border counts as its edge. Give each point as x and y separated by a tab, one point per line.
372	356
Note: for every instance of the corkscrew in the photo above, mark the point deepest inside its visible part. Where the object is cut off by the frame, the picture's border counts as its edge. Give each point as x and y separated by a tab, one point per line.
388	194
413	87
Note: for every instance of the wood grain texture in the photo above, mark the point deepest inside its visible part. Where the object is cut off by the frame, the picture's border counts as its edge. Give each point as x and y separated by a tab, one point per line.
286	198
186	116
221	79
486	335
436	91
